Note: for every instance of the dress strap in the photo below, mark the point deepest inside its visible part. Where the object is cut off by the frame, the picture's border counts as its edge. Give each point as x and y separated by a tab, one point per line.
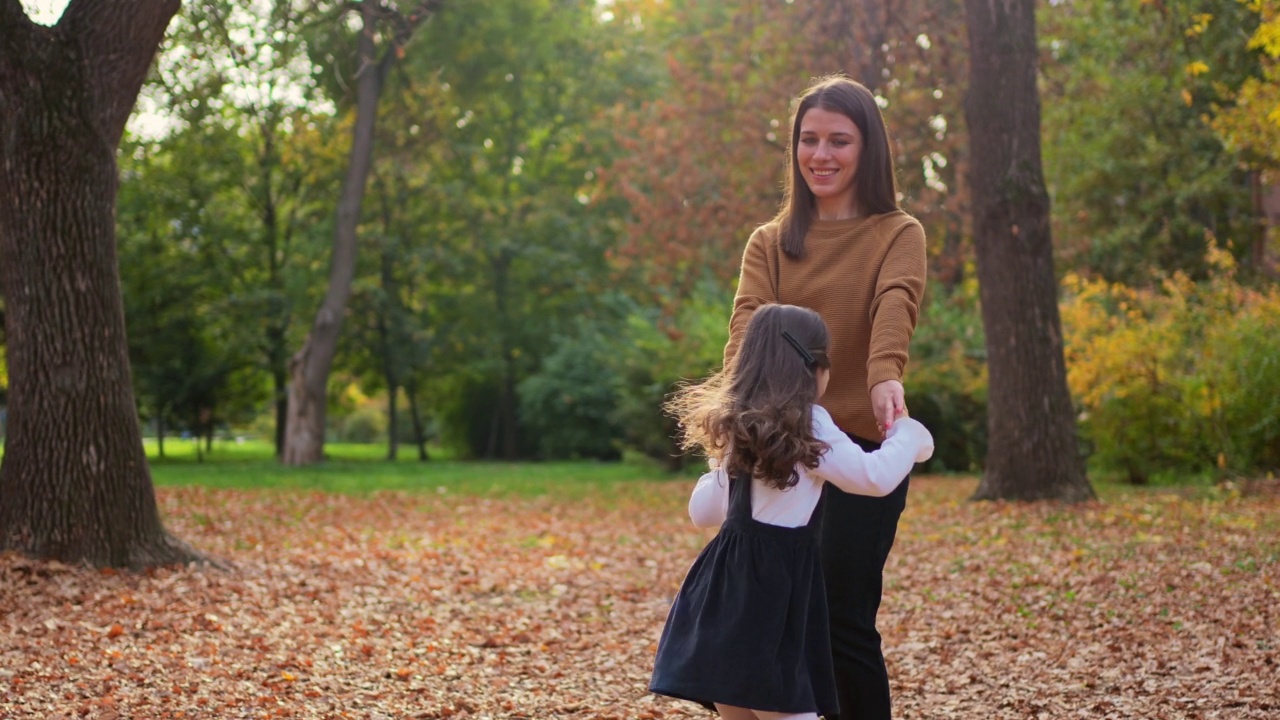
815	517
740	496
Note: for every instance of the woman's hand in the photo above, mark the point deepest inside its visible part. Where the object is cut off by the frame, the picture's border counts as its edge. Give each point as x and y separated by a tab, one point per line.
888	402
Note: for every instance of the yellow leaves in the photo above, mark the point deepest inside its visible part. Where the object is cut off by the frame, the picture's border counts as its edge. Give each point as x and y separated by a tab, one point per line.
1252	122
1187	99
1196	68
1267	37
1199	23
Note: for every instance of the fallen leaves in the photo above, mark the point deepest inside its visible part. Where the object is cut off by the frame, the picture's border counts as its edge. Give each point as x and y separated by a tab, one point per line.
442	606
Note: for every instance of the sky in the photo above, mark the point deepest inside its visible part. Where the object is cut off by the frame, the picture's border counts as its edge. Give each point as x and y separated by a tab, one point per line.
45	12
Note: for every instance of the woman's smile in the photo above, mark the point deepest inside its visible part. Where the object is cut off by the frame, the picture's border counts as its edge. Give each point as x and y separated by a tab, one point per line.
828	151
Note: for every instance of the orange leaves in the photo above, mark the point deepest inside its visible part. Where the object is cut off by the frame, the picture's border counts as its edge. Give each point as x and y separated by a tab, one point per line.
541	608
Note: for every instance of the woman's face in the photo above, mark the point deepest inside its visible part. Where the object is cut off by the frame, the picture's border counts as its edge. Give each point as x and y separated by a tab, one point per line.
824	376
827	154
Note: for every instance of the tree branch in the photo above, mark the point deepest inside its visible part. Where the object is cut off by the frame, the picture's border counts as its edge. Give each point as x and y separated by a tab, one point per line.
14	37
12	14
117	40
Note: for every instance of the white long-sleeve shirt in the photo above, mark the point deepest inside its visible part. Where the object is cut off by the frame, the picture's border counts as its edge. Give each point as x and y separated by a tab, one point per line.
845	465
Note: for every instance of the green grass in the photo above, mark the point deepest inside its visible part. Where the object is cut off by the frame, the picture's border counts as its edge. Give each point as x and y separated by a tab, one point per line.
359	469
353	468
184	451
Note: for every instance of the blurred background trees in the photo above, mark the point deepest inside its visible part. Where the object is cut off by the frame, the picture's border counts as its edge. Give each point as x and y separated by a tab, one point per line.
561	190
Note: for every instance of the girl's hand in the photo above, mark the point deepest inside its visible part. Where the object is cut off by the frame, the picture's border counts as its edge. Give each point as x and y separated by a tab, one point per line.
888	402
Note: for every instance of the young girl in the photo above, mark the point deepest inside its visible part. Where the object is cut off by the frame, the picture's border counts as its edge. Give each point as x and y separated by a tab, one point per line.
747	633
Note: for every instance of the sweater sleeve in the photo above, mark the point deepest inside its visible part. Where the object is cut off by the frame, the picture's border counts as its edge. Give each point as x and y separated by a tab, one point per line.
709	503
755	288
896	304
876	473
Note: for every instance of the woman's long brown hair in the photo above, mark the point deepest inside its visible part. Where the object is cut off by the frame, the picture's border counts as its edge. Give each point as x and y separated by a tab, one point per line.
756	416
875	184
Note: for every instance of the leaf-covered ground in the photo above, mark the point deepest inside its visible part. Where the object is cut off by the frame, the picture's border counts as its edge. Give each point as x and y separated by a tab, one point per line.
431	605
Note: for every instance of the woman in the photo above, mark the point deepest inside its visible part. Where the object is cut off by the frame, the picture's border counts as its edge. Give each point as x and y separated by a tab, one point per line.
841	246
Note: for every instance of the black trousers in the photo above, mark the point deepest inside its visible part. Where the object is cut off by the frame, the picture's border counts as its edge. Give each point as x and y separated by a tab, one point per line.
857	534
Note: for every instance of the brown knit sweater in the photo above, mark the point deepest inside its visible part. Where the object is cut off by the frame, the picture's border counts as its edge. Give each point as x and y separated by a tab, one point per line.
865	277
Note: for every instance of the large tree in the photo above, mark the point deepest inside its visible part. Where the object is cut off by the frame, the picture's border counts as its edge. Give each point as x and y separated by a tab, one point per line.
1032	451
257	162
74	481
309	367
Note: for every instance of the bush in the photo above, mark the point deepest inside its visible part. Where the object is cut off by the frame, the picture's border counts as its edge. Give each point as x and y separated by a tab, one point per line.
365	425
946	381
653	353
570	404
1178	379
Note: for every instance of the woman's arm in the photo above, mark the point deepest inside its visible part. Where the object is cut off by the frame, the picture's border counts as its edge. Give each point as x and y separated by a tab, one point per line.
755	288
894	311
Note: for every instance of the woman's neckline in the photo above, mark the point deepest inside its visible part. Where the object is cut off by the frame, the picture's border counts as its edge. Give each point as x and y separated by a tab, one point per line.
835	229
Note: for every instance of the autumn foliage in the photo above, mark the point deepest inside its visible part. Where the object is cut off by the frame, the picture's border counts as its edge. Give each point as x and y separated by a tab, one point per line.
1179	378
440	605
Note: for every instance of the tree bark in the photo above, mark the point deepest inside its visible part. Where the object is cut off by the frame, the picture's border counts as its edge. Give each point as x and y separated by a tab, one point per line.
160	430
388	336
1032	449
419	433
309	367
74	482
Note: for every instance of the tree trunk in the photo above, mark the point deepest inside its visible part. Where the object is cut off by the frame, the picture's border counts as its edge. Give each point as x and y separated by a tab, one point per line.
280	384
505	428
1266	205
160	431
74	482
393	419
309	368
389	331
1032	449
419	434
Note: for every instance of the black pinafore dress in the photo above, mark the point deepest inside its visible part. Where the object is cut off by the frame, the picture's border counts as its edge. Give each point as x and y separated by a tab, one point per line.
749	624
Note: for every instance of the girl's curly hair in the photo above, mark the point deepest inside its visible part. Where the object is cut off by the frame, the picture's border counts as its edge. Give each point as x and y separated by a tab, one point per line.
756	416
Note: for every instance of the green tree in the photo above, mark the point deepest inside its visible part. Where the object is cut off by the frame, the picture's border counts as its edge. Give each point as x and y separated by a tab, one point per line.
254	130
184	347
1139	179
310	366
511	192
1249	123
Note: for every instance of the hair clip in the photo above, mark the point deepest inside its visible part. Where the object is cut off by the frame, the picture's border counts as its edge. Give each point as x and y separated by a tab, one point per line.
809	360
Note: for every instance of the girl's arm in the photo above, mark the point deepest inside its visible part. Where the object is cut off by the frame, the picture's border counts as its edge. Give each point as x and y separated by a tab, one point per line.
876	473
709	504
